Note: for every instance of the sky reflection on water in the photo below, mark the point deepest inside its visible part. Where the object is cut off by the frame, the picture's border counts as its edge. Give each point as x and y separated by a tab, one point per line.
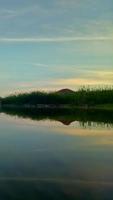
49	160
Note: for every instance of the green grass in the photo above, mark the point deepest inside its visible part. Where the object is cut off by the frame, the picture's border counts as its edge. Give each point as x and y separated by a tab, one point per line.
84	98
105	106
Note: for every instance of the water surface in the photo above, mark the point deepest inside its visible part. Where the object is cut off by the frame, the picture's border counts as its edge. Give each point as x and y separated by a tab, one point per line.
49	159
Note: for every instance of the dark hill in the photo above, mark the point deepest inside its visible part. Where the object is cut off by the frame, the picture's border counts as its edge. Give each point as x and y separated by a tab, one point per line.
65	91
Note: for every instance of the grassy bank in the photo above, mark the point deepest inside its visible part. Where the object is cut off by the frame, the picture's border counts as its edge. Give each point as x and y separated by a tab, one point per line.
84	98
104	106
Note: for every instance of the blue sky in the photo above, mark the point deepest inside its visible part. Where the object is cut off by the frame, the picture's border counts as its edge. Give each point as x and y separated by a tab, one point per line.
52	44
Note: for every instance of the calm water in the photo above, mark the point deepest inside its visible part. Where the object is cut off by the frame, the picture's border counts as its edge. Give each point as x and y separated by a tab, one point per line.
48	159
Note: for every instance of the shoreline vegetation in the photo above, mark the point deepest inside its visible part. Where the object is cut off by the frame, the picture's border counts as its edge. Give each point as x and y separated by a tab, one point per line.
98	99
66	106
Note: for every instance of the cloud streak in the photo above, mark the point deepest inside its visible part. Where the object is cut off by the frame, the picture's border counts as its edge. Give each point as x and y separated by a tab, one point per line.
55	39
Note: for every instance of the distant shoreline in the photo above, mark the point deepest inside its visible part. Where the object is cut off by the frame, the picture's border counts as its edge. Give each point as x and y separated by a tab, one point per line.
101	99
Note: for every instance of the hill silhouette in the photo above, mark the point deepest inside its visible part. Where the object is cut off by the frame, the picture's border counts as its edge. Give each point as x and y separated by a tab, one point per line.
65	91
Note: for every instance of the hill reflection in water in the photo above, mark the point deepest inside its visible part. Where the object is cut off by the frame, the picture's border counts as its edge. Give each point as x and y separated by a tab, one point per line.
65	116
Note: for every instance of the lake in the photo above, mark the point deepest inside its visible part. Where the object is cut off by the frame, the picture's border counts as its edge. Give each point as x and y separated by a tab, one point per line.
55	158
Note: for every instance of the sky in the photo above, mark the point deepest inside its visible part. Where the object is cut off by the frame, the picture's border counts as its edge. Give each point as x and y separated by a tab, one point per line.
53	44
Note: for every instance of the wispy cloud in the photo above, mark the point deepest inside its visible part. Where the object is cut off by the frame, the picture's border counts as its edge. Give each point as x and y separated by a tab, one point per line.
38	64
81	81
69	3
8	13
35	9
72	83
55	39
